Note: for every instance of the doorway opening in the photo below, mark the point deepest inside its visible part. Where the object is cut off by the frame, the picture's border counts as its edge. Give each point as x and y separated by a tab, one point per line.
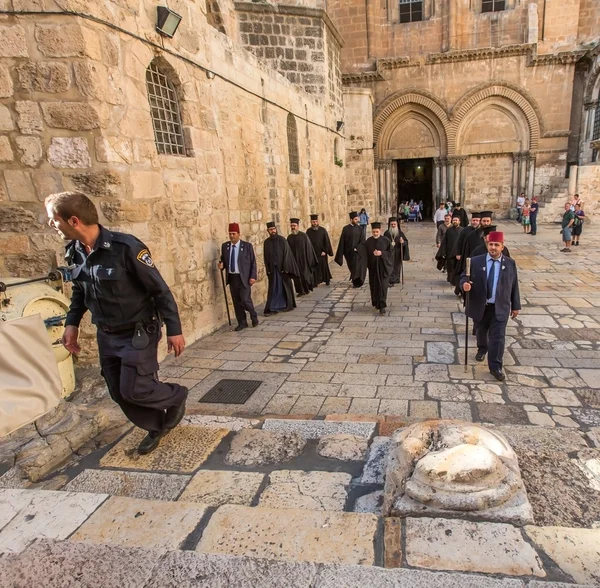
415	182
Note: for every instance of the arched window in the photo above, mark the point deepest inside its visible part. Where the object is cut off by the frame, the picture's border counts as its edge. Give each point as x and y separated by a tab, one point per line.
292	137
165	112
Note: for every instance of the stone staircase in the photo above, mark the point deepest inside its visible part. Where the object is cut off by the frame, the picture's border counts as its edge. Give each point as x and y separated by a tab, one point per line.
231	502
552	200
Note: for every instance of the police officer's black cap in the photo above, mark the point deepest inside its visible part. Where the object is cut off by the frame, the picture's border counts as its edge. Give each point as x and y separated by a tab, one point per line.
314	217
486	214
271	225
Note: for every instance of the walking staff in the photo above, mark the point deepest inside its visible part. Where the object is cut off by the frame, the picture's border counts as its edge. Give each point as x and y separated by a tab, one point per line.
468	274
225	294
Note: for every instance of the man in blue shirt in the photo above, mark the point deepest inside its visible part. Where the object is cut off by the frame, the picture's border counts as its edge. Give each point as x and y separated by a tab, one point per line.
494	296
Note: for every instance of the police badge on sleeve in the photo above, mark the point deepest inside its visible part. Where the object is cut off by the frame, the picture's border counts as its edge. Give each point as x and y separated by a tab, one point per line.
145	257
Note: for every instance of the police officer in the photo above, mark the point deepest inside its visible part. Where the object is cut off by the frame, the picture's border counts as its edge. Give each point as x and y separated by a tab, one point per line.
115	278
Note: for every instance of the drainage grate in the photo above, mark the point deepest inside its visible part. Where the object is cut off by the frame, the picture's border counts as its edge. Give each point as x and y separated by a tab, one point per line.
231	391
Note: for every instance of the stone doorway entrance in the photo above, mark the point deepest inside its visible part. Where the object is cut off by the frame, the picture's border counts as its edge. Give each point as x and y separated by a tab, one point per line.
415	182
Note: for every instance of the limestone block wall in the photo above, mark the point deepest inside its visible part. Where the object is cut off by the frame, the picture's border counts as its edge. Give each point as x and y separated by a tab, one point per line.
589	21
486	183
588	187
74	114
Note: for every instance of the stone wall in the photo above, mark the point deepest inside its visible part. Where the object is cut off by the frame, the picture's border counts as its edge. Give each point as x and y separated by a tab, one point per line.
486	185
75	115
589	20
588	187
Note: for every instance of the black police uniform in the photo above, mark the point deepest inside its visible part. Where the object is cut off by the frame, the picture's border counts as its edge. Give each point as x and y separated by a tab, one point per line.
128	298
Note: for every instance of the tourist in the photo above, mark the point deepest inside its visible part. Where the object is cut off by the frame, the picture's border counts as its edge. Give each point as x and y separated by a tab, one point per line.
114	277
567	226
305	256
533	212
352	236
578	224
281	269
401	251
440	215
239	262
520	203
319	237
525	220
363	221
494	296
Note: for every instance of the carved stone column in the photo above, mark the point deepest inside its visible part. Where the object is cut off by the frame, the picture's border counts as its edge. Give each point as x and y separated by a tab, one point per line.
514	190
523	172
435	182
451	178
388	186
382	187
463	180
444	178
530	175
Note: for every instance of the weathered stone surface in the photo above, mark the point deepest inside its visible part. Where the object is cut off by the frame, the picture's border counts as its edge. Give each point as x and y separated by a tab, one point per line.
310	490
79	565
125	210
29	119
590	377
431	373
30	265
302	535
61	40
575	551
451	392
101	184
343	447
260	447
183	450
6	152
31	150
502	414
75	116
19	185
534	438
69	152
6	122
143	523
118	150
374	470
48	515
148	486
11	502
220	422
186	568
45	76
594	435
440	352
588	416
369	503
492	548
317	429
59	420
6	85
13	41
215	488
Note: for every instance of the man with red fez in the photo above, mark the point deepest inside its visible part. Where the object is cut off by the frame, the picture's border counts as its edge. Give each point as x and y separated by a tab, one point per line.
281	269
494	296
305	256
352	236
319	237
401	250
239	261
482	249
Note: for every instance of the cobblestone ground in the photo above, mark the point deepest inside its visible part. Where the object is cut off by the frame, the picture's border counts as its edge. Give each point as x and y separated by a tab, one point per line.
335	354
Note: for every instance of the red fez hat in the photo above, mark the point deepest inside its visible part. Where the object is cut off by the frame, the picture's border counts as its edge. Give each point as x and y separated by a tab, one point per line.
496	237
234	228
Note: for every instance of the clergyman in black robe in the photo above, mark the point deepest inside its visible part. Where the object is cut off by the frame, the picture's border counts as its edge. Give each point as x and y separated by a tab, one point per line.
447	246
461	247
464	217
305	257
281	269
319	237
483	249
401	250
352	236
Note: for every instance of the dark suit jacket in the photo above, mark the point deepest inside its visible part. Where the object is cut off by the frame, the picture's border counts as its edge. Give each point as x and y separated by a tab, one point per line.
507	290
246	260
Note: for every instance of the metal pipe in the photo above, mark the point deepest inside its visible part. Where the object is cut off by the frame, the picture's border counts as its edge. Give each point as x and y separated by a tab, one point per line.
52	276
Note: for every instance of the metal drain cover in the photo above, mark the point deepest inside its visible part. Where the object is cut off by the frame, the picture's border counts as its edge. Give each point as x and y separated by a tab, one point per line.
231	391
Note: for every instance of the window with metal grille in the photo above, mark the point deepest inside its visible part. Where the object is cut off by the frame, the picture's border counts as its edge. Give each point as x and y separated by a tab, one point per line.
493	5
596	129
164	109
411	10
292	137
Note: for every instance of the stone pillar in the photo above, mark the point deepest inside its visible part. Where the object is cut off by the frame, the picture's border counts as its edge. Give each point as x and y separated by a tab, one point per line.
573	179
377	184
532	23
388	187
514	185
451	178
523	173
463	179
444	178
435	183
382	189
530	175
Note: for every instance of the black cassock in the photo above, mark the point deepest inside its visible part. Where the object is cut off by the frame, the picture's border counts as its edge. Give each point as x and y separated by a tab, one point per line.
379	268
401	253
319	237
281	269
306	260
464	217
447	246
352	236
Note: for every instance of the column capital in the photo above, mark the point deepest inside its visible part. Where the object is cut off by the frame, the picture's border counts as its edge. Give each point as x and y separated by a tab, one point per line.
590	105
457	159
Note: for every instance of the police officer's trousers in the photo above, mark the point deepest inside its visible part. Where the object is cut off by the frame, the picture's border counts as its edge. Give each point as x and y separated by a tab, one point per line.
131	377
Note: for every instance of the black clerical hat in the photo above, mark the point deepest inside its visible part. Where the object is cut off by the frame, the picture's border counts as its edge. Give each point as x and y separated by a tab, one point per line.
392	219
376	225
314	217
457	204
353	214
455	214
476	215
486	214
295	221
271	225
489	229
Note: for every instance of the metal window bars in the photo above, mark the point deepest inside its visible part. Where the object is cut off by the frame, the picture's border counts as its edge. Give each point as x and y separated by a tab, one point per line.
165	113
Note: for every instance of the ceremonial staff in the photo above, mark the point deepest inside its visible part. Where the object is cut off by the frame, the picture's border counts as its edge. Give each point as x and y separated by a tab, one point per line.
226	301
468	274
401	262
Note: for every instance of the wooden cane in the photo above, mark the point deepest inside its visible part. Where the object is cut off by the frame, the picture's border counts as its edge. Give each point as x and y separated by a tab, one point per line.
226	301
468	274
401	264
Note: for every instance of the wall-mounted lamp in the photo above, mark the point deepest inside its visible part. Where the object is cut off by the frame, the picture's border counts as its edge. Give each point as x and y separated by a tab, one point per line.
167	21
210	75
339	125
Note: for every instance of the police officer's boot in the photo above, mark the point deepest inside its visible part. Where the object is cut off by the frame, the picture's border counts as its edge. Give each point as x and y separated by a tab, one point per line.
150	442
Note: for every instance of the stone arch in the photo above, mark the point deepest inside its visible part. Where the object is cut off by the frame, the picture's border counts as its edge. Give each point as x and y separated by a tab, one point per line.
516	138
418	107
473	98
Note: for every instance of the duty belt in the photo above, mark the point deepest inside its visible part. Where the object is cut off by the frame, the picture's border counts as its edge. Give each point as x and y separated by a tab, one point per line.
148	322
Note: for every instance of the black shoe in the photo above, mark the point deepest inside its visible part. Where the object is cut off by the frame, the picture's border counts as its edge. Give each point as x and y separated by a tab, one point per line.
498	375
271	312
382	311
327	283
174	416
241	327
255	322
480	356
150	442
